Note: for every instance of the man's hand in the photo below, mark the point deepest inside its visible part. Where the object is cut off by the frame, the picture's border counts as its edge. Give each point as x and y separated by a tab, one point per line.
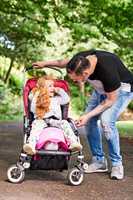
39	64
54	63
82	120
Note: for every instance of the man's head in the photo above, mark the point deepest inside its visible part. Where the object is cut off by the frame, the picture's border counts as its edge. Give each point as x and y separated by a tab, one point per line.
78	68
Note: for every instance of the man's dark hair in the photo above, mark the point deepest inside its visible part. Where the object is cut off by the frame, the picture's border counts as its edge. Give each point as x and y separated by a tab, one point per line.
78	64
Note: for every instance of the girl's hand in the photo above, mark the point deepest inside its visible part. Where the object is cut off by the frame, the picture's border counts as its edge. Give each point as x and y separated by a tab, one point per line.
57	89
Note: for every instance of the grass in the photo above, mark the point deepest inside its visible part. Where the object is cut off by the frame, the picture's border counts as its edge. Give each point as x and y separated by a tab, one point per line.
125	128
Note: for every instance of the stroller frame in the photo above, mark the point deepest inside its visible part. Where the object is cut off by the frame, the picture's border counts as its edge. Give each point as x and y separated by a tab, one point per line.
73	161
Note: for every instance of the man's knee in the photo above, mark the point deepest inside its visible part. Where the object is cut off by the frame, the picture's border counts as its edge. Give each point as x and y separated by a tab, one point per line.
107	128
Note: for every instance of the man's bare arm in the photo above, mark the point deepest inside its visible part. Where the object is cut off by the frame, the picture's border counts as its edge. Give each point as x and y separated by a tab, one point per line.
107	103
54	63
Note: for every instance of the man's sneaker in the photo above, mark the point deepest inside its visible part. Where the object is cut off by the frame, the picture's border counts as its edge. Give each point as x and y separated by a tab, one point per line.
28	148
117	172
97	166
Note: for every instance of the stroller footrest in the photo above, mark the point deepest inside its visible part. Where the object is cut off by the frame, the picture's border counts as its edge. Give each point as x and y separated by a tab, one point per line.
45	152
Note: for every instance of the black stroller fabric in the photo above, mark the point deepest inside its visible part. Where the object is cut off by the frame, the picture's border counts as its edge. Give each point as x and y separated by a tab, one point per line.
50	162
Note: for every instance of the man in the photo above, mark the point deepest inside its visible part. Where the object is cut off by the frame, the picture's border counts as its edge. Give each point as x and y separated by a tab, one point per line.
113	90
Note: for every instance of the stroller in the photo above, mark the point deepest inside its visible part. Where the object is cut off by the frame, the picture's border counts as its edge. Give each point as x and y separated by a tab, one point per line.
56	159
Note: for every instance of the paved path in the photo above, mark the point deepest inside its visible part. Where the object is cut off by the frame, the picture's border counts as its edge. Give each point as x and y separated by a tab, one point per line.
51	185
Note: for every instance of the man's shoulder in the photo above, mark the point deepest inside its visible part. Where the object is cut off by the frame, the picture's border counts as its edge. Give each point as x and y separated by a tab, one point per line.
99	53
86	53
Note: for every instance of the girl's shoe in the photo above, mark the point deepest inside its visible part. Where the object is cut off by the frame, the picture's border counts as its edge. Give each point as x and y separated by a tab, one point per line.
75	147
28	148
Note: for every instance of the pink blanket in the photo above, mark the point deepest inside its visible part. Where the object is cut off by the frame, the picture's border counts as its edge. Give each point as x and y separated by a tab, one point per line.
52	134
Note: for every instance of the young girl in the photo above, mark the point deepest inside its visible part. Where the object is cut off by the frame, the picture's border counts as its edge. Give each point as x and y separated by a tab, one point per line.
46	106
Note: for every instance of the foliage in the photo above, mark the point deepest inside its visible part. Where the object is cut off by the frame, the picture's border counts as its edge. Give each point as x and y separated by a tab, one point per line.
130	106
26	25
79	99
23	25
15	85
42	29
106	20
10	104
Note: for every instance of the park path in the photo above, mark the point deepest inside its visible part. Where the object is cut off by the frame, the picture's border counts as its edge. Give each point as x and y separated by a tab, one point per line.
51	185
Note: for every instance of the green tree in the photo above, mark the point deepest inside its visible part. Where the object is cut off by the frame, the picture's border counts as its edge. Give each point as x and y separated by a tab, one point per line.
26	25
23	28
106	20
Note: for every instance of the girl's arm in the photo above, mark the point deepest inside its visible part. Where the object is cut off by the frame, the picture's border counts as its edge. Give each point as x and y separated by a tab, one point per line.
63	96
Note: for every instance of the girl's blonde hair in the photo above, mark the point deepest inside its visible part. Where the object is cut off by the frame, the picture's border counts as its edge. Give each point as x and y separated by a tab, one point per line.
43	98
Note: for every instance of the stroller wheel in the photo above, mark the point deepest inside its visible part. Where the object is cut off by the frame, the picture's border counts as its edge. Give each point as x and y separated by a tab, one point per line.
75	176
15	174
85	166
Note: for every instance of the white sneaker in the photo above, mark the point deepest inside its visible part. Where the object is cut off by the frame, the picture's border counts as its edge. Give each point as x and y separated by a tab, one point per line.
28	148
117	172
97	166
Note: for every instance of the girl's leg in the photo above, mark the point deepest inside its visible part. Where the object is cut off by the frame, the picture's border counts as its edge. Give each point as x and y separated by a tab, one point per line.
37	127
70	136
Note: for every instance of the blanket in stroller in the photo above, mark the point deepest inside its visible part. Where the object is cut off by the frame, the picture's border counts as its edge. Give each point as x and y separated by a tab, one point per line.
52	138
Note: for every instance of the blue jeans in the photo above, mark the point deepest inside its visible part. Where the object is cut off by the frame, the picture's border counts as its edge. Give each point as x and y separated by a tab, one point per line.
107	126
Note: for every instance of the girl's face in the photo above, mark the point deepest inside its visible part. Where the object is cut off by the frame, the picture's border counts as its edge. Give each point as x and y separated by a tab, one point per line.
50	87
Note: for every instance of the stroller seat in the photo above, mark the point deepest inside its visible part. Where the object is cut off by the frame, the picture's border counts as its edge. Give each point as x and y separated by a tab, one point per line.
51	134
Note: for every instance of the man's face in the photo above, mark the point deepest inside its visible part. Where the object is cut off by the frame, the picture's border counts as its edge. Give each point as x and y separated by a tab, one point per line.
79	78
74	77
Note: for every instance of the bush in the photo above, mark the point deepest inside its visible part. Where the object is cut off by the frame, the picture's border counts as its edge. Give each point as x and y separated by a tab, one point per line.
10	104
15	84
79	100
130	106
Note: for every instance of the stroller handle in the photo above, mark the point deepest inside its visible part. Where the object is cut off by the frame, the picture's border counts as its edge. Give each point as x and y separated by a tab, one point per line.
26	69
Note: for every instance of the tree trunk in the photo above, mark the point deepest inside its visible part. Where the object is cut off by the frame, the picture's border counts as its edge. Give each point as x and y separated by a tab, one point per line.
9	70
